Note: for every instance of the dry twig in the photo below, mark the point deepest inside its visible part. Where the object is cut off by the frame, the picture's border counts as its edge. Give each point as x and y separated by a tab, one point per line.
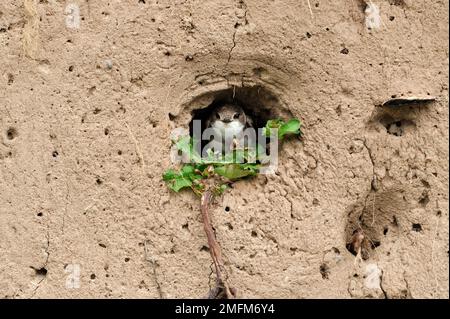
222	289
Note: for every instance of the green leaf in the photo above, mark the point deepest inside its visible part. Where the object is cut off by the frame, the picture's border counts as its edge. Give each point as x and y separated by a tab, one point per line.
284	128
187	170
179	180
179	183
170	174
291	127
237	171
271	124
220	189
186	146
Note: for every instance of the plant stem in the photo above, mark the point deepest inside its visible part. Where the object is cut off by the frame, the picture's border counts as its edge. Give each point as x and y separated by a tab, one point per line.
214	249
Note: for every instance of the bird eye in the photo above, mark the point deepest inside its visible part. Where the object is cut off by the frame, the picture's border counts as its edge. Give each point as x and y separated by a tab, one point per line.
236	115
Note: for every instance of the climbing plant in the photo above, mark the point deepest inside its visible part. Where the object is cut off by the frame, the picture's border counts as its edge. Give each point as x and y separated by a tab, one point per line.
211	175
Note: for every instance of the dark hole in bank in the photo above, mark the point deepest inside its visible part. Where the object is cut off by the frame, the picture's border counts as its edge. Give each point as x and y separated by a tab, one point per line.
257	102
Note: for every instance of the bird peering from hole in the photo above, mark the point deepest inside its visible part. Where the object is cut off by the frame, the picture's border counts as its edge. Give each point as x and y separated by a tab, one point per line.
225	128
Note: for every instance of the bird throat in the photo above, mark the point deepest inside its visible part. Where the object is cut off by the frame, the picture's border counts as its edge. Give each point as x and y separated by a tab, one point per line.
228	131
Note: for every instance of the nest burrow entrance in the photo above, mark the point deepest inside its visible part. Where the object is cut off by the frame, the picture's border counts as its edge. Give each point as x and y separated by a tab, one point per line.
257	102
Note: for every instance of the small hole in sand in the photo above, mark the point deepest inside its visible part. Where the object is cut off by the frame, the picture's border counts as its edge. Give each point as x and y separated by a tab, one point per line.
374	244
395	127
41	271
11	133
324	271
400	3
417	227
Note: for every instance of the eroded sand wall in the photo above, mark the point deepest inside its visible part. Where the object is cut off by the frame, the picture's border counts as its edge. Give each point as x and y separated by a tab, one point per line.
85	125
